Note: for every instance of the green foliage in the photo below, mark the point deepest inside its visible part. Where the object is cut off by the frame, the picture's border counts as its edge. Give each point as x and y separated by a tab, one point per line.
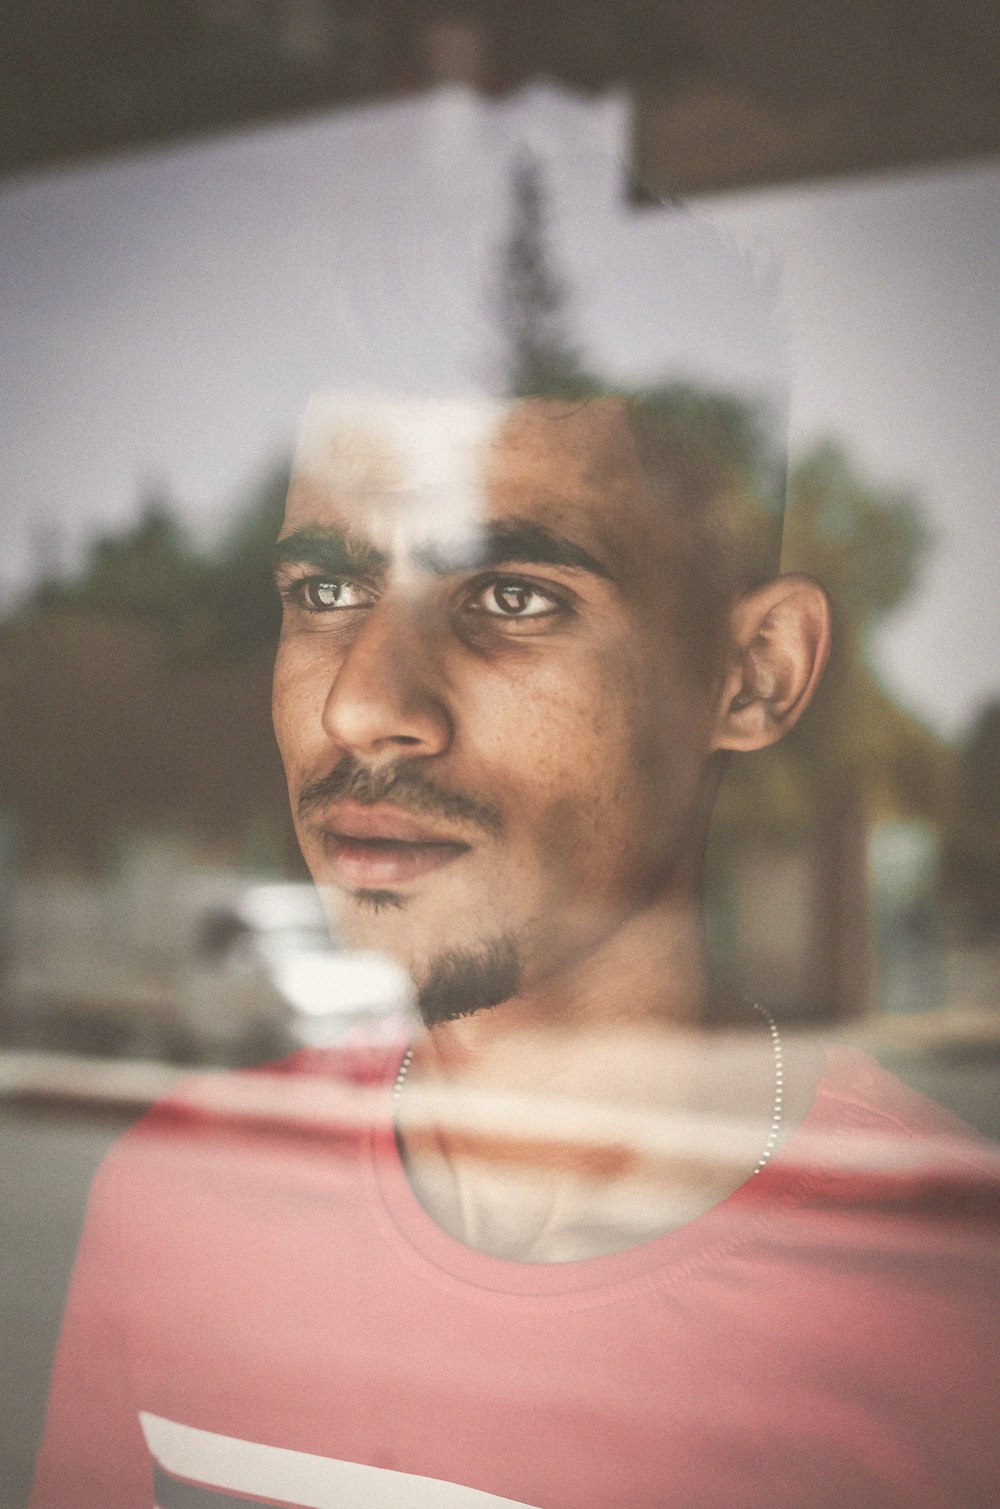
206	604
150	571
972	846
740	433
251	536
979	774
140	689
239	608
864	542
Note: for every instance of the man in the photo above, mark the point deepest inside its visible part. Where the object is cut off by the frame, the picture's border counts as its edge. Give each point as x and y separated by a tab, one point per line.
502	716
562	1249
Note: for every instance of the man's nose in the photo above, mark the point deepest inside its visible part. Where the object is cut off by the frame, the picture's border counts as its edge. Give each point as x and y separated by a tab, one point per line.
386	698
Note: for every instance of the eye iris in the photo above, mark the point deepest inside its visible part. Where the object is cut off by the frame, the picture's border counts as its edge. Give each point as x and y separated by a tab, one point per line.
327	593
511	598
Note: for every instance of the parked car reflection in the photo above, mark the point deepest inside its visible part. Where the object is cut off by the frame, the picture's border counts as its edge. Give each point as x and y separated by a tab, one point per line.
264	975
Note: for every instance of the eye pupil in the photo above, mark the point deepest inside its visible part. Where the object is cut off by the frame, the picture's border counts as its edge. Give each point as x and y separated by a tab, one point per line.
511	597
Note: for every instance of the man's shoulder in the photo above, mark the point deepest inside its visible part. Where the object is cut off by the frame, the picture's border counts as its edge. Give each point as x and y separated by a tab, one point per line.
872	1138
856	1091
312	1110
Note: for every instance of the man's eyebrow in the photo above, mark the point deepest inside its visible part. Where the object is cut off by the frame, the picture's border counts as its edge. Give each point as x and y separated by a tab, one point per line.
523	541
329	551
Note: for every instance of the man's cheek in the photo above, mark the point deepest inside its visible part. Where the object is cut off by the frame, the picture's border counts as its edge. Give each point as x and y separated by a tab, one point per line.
575	840
297	714
286	713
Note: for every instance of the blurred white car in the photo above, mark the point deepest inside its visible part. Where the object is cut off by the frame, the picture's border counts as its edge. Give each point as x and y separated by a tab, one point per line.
263	973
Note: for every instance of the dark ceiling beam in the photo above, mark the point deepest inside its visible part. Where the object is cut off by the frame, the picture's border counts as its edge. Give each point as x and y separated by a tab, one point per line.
728	92
792	91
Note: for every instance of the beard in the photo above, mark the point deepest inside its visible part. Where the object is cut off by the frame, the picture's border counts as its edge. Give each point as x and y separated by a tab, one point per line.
465	981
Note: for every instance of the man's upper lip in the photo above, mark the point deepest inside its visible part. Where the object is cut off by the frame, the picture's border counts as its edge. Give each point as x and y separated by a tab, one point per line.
348	820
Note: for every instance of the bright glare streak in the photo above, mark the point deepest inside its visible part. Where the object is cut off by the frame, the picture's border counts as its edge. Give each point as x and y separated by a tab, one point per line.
318	983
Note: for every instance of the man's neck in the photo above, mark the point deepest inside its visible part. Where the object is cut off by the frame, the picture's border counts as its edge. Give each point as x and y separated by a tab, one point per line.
649	974
591	1113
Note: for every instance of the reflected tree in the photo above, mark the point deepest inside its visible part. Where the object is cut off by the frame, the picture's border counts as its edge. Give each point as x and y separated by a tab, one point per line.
972	851
532	299
140	691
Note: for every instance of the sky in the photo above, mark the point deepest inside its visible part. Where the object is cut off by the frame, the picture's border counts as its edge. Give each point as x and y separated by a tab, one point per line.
165	317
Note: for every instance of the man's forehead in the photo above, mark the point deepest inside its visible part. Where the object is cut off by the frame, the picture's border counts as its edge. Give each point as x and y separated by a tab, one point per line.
584	449
440	470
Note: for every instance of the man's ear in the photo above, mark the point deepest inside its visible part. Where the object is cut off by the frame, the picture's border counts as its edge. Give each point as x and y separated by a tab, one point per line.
779	643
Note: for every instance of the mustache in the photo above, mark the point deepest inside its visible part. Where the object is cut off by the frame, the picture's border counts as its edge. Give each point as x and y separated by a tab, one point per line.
406	786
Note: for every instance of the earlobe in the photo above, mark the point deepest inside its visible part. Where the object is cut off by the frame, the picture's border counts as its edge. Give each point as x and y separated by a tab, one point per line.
779	646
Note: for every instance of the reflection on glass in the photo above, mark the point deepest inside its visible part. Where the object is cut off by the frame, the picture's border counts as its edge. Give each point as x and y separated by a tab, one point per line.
544	1179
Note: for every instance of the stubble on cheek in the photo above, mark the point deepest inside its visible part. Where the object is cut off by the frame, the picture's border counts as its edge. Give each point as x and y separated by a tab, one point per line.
572	901
612	842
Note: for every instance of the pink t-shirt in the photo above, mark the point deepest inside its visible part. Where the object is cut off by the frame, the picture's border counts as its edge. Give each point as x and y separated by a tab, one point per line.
262	1313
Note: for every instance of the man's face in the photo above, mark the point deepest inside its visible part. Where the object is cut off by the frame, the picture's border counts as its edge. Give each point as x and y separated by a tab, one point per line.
494	745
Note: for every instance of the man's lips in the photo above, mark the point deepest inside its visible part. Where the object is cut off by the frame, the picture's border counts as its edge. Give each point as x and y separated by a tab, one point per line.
374	848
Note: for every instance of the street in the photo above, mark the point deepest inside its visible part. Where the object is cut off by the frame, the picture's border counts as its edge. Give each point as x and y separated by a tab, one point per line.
48	1158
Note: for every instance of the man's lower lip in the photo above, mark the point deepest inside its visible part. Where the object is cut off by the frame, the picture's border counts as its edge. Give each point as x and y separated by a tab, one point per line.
365	864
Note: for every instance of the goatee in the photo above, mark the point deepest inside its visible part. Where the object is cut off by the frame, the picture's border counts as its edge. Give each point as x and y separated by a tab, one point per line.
465	981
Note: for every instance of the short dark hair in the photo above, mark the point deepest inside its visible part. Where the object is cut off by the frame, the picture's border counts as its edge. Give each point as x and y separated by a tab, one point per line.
717	461
710	435
712	464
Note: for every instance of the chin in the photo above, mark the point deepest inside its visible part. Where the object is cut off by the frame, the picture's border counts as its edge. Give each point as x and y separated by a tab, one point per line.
460	977
386	922
463	981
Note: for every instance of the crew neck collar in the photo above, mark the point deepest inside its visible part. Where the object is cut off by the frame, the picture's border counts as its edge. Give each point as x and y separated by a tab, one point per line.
421	1242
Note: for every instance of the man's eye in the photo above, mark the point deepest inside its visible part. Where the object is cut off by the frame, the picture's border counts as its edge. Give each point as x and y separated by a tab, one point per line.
322	594
510	598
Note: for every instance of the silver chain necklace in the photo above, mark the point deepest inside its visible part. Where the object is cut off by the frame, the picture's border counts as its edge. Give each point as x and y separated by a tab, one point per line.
779	1084
404	1069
